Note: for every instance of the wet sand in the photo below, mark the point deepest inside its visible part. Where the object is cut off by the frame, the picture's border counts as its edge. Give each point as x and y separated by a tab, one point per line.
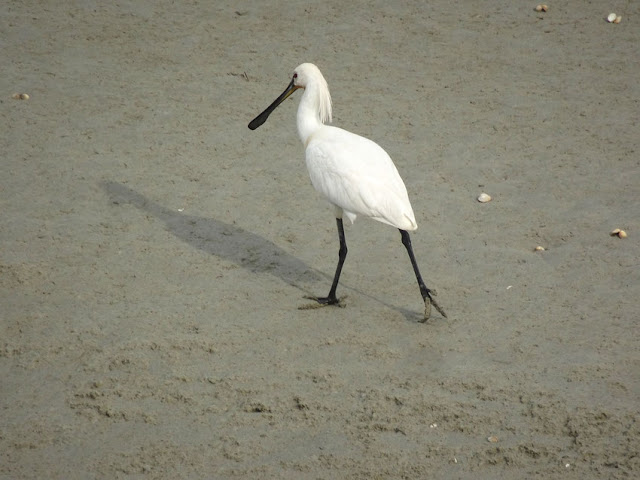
155	252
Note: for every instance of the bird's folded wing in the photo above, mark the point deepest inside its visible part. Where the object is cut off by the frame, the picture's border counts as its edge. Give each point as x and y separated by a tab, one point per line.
359	177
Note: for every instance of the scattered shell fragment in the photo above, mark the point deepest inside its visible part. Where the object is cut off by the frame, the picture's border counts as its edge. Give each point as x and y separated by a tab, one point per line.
20	96
612	17
542	8
539	248
492	439
618	19
618	233
484	198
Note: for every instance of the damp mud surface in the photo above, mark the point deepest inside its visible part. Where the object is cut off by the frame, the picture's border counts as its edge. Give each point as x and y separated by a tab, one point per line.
155	251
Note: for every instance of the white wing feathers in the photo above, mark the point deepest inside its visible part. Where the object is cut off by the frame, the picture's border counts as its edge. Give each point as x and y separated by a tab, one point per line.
358	176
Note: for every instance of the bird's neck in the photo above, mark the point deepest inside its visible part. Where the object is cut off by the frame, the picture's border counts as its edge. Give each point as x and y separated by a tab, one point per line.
309	113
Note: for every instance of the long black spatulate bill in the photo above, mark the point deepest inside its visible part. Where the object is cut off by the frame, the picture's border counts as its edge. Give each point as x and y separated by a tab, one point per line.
260	119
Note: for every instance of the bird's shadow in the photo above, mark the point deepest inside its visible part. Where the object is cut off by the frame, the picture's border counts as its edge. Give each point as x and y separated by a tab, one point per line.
232	243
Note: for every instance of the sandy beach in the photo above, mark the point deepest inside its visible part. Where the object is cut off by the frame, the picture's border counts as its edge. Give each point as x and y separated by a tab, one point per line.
156	252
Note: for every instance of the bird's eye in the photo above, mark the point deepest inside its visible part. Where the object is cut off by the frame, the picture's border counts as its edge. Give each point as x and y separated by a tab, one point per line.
295	75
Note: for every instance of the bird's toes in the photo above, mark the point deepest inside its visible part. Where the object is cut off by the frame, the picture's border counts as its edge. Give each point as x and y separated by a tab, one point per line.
427	309
322	302
428	301
311	306
439	308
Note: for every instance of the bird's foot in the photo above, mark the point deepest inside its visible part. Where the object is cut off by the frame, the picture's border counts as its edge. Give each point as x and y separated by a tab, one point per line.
428	301
427	309
322	302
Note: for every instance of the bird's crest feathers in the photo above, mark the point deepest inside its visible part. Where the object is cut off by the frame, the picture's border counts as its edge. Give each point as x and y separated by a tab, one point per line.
307	73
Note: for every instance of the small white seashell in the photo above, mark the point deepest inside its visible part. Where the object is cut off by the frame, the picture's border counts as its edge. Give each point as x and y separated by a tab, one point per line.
622	234
539	248
615	231
542	8
484	198
618	233
611	18
618	19
20	96
492	439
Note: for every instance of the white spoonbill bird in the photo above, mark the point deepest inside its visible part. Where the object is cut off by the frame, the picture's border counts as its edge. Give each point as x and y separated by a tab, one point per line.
355	174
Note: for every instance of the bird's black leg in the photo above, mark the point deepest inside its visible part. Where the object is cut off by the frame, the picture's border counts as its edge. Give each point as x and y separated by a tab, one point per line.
424	291
331	299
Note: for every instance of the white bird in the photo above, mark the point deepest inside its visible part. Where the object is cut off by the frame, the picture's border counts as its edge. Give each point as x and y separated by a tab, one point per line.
355	174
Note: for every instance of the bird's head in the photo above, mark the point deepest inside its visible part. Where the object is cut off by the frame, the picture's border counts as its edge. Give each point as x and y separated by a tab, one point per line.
305	75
